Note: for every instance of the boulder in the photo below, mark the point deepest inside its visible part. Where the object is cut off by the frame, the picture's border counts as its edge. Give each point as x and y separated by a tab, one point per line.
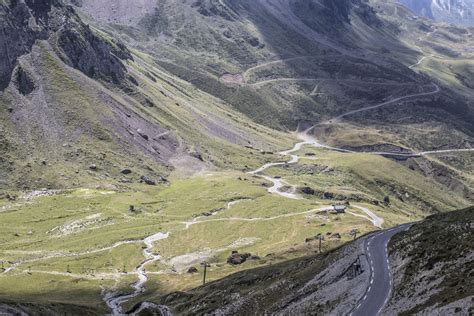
142	134
238	258
93	167
328	195
336	236
307	190
193	270
197	155
126	171
146	180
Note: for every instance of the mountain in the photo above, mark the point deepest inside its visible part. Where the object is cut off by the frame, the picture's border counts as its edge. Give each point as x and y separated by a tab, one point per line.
458	12
141	139
77	107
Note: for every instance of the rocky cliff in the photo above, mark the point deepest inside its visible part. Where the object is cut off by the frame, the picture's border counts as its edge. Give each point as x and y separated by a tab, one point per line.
23	22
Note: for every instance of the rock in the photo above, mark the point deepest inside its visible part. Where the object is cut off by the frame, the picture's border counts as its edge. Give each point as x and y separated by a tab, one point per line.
227	34
238	258
336	236
193	270
307	190
142	134
24	82
310	239
254	257
162	179
197	155
126	171
146	180
11	197
328	195
93	167
207	214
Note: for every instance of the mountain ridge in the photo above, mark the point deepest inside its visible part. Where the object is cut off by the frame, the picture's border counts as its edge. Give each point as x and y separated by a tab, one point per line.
459	12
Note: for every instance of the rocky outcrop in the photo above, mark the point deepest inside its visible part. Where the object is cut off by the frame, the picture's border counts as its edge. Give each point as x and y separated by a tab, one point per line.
24	82
193	270
23	22
92	55
307	190
238	258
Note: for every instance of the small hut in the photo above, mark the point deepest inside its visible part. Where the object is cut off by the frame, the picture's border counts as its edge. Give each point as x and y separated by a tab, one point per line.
339	208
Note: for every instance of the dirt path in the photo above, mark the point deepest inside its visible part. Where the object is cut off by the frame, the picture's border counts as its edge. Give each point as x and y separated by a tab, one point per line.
258	219
231	204
278	183
280	61
65	255
307	139
377	221
435	90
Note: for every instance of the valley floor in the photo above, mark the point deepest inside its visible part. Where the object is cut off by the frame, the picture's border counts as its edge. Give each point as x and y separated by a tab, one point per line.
90	241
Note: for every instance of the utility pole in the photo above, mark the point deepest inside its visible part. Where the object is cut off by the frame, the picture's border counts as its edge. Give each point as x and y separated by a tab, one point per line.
354	233
320	242
205	265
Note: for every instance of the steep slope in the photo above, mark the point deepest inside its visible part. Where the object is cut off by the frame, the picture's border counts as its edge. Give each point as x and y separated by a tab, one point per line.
198	97
78	107
286	62
431	265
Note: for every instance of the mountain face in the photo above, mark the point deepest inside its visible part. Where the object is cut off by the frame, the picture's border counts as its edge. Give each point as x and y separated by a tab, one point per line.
458	12
140	139
24	22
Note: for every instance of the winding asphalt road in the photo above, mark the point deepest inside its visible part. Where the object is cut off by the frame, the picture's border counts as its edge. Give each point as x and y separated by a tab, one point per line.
380	286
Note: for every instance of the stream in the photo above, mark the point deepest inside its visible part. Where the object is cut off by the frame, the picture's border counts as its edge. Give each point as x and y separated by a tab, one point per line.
115	302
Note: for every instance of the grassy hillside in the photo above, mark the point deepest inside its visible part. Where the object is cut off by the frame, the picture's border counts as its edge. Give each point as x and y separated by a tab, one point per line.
147	119
430	265
433	266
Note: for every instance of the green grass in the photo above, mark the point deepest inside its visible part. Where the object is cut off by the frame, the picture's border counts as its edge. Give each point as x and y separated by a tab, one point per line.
26	233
